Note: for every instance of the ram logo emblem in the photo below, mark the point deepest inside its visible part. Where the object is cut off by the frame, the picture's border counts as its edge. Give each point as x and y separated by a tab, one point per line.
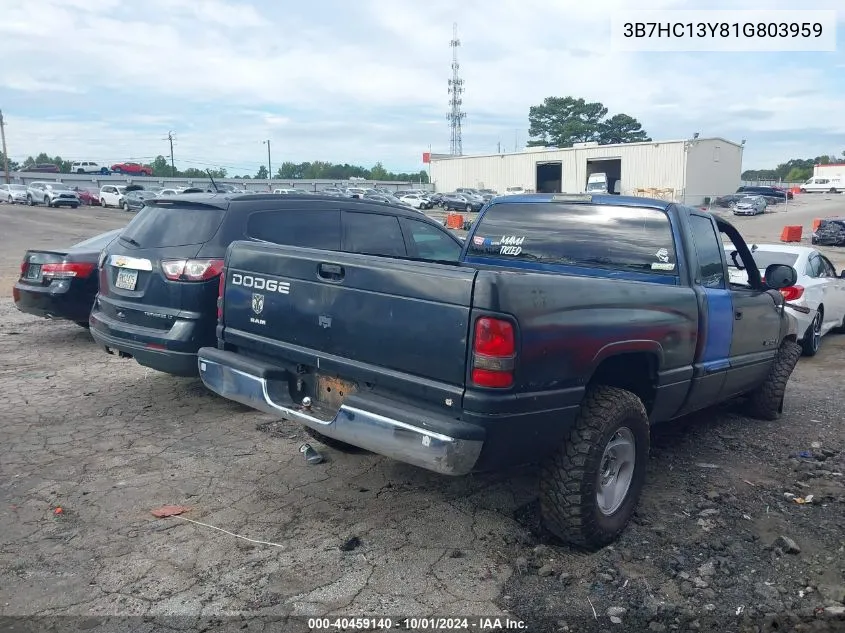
257	303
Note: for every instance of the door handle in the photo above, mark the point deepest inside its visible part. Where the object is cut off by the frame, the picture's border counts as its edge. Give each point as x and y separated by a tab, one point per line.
331	272
738	315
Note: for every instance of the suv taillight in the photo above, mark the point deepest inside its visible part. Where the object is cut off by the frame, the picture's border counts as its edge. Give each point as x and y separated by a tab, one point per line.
191	269
221	288
493	353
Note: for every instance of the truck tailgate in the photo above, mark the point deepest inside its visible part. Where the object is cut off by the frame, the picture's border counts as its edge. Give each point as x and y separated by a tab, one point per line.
408	316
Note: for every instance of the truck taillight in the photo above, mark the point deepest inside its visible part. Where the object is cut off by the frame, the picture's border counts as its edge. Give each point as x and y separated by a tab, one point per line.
221	288
191	269
67	270
493	353
792	293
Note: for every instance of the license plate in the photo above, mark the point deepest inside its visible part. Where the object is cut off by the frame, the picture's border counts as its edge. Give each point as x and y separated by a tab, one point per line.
332	391
33	271
126	279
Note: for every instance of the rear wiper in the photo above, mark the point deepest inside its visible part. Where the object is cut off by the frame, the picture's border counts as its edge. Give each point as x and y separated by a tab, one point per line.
129	240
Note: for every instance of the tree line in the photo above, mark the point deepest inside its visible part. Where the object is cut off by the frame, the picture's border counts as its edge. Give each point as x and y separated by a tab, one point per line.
793	170
564	121
317	170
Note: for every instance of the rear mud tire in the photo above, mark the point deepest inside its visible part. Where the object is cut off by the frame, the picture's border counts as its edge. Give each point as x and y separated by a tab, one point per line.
766	401
569	479
343	447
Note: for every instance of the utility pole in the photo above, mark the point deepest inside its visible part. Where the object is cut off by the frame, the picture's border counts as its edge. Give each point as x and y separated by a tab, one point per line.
499	147
172	164
269	166
5	153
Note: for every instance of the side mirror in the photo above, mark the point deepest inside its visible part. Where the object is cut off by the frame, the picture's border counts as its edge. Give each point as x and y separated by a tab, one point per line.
779	276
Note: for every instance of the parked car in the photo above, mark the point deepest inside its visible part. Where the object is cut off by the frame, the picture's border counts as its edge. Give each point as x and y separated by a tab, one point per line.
136	199
728	201
169	191
159	280
61	284
89	167
383	197
51	194
830	232
774	193
112	195
553	342
816	301
336	192
750	205
89	198
291	192
417	201
132	169
45	168
515	191
459	202
13	193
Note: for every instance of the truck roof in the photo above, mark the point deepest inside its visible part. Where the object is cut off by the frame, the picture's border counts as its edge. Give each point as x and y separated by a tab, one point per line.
602	198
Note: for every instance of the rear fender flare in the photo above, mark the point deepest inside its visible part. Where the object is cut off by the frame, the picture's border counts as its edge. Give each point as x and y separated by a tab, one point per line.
627	347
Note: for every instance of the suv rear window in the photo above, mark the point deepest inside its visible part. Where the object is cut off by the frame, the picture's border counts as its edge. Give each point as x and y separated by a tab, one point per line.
173	225
633	239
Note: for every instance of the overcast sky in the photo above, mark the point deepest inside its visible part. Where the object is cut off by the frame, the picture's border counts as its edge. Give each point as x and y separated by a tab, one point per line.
365	81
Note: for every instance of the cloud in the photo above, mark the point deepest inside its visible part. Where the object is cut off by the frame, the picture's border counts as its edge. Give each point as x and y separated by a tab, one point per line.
367	82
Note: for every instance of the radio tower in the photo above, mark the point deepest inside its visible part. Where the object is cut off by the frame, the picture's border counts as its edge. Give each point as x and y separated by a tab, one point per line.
456	89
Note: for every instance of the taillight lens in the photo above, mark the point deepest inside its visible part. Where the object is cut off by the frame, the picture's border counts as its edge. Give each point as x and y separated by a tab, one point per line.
191	269
24	266
67	270
493	353
792	293
221	287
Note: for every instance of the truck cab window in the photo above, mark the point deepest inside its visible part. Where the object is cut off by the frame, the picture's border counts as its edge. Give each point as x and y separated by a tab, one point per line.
429	242
709	249
372	234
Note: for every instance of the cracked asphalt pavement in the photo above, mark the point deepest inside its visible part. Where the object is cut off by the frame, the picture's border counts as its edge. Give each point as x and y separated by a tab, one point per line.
107	441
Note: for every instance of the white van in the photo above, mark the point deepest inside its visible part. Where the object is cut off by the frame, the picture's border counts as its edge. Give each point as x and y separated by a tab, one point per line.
819	184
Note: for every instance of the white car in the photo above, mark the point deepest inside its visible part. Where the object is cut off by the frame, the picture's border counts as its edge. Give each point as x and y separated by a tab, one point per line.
823	185
51	194
750	205
112	195
817	300
13	194
290	192
88	167
514	191
415	200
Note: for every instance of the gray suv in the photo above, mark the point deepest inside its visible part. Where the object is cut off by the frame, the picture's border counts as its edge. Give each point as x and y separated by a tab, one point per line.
51	194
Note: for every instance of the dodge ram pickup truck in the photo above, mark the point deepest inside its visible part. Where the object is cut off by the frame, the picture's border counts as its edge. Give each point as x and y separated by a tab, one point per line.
569	325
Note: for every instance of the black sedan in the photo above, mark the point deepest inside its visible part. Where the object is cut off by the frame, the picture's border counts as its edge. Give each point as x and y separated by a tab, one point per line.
458	202
135	200
61	284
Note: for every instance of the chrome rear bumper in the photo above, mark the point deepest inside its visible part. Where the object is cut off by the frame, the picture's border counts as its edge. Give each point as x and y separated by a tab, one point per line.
406	442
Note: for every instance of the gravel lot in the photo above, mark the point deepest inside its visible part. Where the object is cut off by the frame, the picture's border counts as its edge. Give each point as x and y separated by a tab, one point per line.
716	545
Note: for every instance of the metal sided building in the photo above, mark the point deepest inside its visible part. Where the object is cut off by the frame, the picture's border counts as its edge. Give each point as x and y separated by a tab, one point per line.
687	170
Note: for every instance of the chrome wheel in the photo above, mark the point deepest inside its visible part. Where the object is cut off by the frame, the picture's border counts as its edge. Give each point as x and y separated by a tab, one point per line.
817	332
616	471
